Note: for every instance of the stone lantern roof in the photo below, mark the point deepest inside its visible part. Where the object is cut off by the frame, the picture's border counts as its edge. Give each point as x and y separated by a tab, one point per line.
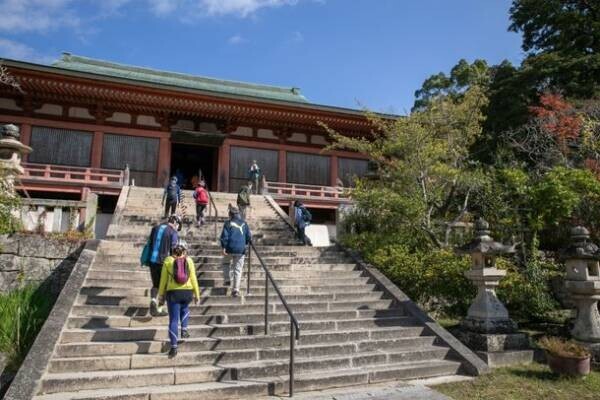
581	246
483	243
9	131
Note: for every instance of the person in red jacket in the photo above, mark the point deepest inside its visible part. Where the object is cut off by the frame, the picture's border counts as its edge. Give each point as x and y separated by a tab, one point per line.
201	196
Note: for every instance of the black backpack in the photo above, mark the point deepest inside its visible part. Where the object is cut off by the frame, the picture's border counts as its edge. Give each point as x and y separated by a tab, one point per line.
306	215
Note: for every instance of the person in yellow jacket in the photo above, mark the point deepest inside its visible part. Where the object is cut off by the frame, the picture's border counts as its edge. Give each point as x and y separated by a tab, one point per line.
179	287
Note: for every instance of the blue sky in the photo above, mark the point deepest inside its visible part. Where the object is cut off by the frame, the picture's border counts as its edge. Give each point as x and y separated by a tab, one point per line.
349	53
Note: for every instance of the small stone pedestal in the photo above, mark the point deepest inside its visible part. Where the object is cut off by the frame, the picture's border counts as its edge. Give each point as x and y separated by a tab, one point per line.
582	259
487	329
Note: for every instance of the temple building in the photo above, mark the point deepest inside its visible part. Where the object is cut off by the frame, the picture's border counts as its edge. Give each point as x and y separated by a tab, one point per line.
87	120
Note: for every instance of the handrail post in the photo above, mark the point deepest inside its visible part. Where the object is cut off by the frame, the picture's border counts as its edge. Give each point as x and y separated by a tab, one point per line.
292	349
266	304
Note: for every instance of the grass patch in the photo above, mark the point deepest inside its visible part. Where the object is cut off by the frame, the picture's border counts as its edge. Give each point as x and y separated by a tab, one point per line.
23	311
524	382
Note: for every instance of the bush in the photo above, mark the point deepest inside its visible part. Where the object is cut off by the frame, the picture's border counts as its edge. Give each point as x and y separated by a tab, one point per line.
434	279
22	314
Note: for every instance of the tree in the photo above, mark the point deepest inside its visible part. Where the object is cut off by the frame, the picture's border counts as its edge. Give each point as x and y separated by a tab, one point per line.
562	39
425	178
462	76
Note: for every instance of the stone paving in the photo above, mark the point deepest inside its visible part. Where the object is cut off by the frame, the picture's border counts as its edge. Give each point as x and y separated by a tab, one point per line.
397	391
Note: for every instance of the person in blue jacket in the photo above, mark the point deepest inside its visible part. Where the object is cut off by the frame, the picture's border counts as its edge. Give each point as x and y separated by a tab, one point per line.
302	218
234	239
171	197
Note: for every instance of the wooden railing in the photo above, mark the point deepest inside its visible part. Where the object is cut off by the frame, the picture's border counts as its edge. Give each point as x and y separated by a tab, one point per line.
59	174
292	191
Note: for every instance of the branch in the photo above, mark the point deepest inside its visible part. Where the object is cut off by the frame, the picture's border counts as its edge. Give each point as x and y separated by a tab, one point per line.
432	236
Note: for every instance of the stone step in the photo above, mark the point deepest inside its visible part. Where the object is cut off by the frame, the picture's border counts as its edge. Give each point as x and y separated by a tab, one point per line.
214	291
314	267
365	340
247	299
140	361
230	304
104	321
405	326
219	282
314	380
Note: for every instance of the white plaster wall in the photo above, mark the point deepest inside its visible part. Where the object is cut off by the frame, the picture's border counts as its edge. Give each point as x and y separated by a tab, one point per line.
147	120
298	137
80	112
207	127
120	117
318	139
243	131
266	134
9	104
51	109
184	124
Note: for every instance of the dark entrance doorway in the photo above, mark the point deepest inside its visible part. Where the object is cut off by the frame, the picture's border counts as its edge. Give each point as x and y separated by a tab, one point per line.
188	159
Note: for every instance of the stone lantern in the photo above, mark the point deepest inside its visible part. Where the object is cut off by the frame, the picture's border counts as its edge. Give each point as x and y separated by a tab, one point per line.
487	328
582	259
11	152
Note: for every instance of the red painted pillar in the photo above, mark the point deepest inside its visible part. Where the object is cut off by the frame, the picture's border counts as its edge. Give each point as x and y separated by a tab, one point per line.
282	173
224	152
97	143
333	170
164	161
25	137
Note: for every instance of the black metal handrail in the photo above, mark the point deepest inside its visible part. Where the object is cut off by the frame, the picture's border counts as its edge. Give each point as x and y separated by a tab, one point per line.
294	325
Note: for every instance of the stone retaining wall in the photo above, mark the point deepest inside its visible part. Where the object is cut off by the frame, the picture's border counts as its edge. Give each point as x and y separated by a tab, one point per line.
32	258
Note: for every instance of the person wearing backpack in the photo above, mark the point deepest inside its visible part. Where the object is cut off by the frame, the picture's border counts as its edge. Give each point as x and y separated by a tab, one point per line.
302	218
234	239
163	239
171	197
178	287
254	176
201	196
243	201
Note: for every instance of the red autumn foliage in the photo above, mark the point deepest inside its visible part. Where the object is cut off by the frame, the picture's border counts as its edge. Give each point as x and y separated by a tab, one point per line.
558	117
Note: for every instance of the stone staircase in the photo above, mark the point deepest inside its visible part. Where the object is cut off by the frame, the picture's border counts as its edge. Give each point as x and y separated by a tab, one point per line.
350	332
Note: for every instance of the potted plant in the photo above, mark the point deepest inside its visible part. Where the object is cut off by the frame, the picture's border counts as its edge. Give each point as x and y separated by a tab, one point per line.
566	357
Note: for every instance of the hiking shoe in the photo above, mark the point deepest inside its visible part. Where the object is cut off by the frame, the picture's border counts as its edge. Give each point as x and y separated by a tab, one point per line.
161	311
185	334
153	308
235	293
173	352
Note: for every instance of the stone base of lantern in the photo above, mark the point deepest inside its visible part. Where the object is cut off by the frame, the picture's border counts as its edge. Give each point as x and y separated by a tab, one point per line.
498	349
489	325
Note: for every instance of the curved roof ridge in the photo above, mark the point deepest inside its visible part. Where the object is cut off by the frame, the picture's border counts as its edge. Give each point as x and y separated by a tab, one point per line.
86	64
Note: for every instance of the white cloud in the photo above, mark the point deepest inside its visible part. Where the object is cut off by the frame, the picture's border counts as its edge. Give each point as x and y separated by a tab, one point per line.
19	51
163	7
36	15
236	39
242	8
297	37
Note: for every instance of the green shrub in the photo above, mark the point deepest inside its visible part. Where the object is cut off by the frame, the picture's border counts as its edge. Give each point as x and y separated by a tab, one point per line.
22	313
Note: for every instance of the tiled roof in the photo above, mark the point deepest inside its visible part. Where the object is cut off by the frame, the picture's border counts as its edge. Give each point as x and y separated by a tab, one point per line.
99	67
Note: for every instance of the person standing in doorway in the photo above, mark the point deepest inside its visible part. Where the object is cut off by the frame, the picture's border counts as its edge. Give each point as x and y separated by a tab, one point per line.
171	197
179	287
243	201
201	196
302	218
254	176
163	239
234	239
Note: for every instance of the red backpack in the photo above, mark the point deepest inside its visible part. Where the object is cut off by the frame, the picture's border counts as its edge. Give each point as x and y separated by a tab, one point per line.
201	195
181	272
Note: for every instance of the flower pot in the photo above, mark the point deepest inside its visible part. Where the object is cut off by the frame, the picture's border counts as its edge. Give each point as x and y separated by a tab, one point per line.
569	366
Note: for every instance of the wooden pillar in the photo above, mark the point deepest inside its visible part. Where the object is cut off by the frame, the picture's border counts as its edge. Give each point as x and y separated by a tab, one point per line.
282	173
164	161
25	137
97	143
224	152
333	169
